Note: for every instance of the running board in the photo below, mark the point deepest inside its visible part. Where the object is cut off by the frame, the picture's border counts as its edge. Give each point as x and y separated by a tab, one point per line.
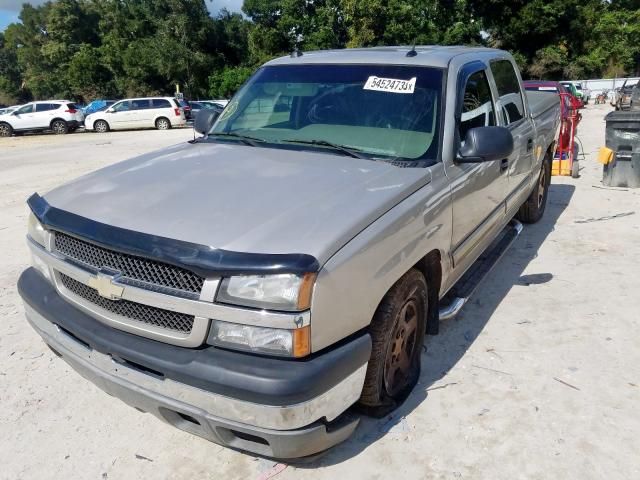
460	293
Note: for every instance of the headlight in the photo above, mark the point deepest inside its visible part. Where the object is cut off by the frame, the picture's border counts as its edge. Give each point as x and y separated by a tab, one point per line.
288	292
35	229
273	341
37	233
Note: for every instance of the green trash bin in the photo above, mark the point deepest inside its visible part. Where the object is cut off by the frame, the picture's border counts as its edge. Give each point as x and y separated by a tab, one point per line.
623	137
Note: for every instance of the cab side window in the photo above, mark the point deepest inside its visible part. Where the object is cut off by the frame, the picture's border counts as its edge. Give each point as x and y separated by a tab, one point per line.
121	107
45	107
477	106
25	109
139	104
160	103
509	91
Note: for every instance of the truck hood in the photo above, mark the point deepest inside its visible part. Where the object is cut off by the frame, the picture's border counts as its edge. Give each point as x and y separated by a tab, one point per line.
241	198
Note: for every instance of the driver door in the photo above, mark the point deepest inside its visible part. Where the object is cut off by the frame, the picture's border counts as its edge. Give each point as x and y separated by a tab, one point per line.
120	115
23	117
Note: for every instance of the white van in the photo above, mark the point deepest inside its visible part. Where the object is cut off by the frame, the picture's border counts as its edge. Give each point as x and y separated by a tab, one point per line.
153	112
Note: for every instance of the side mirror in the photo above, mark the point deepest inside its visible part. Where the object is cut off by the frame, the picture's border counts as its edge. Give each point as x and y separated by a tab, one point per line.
110	110
205	120
485	144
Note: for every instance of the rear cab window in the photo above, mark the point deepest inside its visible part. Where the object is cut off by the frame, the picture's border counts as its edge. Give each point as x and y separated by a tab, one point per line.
511	102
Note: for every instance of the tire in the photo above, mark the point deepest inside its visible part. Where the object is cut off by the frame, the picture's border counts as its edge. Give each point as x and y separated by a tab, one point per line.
575	169
397	334
59	127
163	123
100	126
5	130
533	208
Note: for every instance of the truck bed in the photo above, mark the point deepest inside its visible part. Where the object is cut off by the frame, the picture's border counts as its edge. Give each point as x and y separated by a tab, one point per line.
540	102
545	111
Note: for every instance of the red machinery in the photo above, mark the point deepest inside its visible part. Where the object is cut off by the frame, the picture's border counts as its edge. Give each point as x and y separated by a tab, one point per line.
565	161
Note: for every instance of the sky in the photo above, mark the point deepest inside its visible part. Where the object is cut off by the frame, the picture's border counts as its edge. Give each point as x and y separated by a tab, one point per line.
9	9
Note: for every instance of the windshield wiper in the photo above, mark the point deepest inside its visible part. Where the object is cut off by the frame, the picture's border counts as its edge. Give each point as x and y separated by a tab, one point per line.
246	139
350	151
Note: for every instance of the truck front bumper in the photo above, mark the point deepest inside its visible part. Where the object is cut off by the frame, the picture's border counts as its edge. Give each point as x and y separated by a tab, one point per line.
272	407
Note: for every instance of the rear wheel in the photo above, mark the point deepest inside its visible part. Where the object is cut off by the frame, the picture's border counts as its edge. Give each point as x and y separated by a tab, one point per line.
59	127
5	130
101	126
533	208
163	124
397	334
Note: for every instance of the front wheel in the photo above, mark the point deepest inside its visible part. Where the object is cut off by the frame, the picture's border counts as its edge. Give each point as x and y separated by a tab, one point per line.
5	130
397	334
101	126
59	127
163	124
533	208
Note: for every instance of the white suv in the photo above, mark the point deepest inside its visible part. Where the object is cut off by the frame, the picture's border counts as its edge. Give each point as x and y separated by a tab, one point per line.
154	112
61	116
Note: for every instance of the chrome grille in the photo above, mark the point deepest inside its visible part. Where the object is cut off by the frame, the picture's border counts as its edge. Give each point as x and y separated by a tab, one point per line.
130	266
180	322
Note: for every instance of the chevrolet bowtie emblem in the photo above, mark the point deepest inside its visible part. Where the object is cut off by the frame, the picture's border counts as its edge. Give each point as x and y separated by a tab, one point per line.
103	282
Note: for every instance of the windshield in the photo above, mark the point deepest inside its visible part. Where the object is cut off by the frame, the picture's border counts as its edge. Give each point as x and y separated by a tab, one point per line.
380	111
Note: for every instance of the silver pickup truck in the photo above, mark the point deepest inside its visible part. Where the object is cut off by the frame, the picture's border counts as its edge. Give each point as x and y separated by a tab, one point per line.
253	285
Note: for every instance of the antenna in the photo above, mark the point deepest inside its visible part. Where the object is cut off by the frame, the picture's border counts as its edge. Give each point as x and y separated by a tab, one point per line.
412	52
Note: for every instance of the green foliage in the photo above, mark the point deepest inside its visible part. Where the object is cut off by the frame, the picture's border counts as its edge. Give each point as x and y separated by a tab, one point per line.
225	83
83	49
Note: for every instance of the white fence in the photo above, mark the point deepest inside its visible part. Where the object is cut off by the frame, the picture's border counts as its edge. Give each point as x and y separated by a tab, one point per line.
598	85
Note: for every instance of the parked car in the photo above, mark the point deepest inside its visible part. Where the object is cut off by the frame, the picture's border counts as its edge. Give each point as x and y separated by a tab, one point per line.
584	94
97	105
186	107
6	110
571	88
153	112
252	285
623	100
197	106
60	116
222	103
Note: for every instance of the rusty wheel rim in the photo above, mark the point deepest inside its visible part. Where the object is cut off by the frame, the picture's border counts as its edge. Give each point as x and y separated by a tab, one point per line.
542	181
401	350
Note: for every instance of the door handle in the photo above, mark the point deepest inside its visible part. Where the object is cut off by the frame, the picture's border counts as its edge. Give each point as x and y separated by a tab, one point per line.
504	164
529	144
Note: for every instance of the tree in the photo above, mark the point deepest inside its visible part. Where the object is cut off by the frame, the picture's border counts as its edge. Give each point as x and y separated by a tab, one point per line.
225	83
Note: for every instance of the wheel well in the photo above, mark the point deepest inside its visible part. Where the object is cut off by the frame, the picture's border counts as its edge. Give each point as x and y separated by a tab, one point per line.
56	119
162	117
431	267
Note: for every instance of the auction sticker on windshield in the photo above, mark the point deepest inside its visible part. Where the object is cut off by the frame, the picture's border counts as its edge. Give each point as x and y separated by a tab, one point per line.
392	85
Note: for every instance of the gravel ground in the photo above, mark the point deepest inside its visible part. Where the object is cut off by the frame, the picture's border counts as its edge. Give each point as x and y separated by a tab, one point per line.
537	378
